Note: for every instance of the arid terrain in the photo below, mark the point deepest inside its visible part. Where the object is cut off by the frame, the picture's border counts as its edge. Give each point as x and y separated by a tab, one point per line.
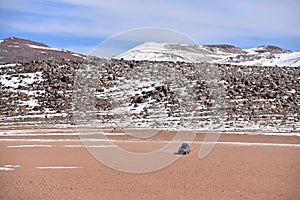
52	163
251	97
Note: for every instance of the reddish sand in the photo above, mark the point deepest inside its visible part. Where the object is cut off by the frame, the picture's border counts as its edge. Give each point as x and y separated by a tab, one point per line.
228	172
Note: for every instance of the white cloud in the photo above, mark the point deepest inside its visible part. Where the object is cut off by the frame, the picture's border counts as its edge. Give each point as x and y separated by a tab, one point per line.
256	17
202	20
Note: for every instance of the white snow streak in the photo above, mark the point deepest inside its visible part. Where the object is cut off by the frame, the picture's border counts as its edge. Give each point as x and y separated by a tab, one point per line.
44	48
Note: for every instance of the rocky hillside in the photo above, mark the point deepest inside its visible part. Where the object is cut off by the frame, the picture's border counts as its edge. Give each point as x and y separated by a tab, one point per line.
125	93
20	50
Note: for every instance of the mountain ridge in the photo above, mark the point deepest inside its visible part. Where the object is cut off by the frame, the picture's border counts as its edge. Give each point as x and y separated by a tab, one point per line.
15	49
266	55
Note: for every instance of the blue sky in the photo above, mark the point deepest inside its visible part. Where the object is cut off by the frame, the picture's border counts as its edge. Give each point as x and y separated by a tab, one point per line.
80	25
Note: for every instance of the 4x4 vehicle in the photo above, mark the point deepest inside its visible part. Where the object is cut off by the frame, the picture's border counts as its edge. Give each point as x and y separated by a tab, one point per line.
185	148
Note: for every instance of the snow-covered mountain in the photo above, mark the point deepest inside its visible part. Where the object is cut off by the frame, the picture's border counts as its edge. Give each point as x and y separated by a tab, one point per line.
222	54
21	50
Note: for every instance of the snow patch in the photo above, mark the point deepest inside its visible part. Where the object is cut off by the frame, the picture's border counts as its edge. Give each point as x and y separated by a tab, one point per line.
39	116
77	55
10	65
6	169
30	103
23	79
9	167
44	48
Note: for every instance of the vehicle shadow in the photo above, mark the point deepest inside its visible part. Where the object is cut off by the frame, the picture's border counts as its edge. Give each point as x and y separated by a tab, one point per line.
176	153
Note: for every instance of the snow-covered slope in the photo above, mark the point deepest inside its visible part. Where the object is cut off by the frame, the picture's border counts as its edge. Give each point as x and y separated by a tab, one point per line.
223	54
167	52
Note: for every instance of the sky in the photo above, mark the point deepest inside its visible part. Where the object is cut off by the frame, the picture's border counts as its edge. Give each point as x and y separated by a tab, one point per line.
81	25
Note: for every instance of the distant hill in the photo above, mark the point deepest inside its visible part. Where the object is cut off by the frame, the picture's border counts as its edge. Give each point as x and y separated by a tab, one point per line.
21	50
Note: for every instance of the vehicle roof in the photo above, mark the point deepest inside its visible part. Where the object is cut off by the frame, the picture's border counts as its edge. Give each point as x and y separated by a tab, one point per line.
185	144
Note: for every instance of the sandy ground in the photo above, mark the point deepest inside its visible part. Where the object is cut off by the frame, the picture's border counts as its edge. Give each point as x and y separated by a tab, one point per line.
230	171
